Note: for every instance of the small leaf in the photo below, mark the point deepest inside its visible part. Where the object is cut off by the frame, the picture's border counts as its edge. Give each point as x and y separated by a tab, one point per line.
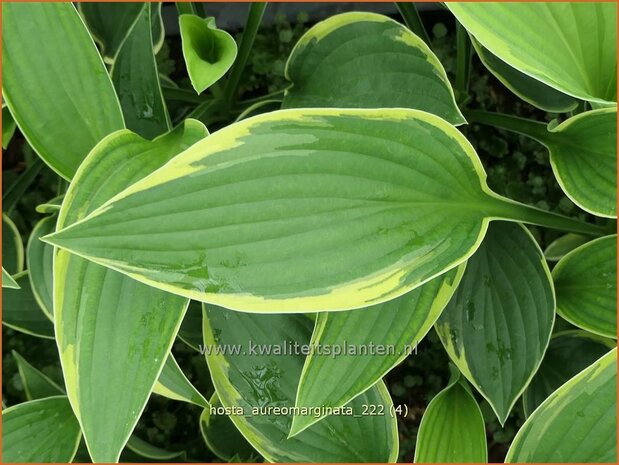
51	206
452	429
571	47
135	77
41	265
269	381
37	385
43	430
497	326
114	333
586	284
568	354
8	281
76	103
564	244
524	86
222	437
209	52
398	324
20	310
173	384
577	423
12	247
303	210
366	60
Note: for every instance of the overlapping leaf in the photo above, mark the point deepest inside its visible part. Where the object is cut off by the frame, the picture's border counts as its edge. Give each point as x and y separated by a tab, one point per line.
49	58
269	381
392	329
41	263
497	326
586	283
366	60
36	384
12	247
8	281
21	311
577	423
558	248
173	383
303	210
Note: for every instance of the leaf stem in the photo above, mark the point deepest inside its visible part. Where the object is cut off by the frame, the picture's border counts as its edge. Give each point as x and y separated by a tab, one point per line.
181	95
530	128
254	18
413	20
463	62
185	8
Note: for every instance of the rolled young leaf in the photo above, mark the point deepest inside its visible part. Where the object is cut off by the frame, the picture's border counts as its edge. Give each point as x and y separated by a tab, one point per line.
41	264
302	211
173	384
263	376
136	79
392	329
569	46
452	428
577	423
114	333
51	206
568	353
8	281
21	311
209	52
36	384
76	105
43	430
366	60
524	86
586	283
497	326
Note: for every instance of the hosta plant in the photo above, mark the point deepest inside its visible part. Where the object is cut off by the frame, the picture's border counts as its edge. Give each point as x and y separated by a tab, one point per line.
305	241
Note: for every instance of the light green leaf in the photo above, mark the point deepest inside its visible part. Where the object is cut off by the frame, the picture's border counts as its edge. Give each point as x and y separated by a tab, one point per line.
41	265
395	326
255	381
49	58
190	331
568	354
147	450
12	247
571	47
524	86
497	326
586	284
8	281
222	437
366	60
8	127
136	79
21	311
43	430
452	428
173	384
564	244
209	52
577	423
37	385
109	24
51	206
114	333
304	210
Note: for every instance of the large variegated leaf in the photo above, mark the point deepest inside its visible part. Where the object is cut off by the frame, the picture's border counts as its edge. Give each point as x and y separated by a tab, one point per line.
49	58
497	326
569	46
110	22
41	264
577	423
12	247
114	333
568	353
39	431
586	283
173	384
136	79
366	60
303	210
349	368
21	311
36	384
209	52
452	428
524	86
265	374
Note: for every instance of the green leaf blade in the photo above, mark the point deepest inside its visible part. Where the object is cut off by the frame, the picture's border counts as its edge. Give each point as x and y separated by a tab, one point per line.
173	384
41	265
